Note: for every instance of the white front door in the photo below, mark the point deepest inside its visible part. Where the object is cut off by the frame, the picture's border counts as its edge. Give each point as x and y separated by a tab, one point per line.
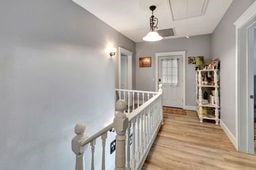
170	74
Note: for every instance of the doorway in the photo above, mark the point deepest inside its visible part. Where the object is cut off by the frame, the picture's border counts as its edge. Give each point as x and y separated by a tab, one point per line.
124	69
251	83
245	98
254	87
170	72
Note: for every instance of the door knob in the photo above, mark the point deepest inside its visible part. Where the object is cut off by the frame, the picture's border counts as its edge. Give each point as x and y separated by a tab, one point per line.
251	96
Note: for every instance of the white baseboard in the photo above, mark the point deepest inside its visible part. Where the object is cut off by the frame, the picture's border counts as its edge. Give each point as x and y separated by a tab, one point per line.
194	108
231	137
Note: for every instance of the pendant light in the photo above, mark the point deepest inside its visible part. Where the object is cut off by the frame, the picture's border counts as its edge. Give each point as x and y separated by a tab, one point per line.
153	34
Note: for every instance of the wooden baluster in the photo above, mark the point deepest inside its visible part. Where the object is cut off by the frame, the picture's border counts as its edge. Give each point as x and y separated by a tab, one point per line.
142	132
103	162
125	99
148	119
120	95
143	98
149	124
148	96
138	138
138	99
154	117
128	148
92	144
145	127
129	102
133	144
77	147
120	125
133	103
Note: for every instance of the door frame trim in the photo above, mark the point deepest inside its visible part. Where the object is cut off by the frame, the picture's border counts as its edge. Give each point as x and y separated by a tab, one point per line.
129	54
242	95
180	53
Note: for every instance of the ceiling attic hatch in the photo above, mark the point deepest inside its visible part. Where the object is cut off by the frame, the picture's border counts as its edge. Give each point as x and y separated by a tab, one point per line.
191	8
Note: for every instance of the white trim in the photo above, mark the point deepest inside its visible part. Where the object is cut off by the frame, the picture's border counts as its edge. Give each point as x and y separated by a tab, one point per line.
240	24
129	54
249	14
192	108
231	137
177	53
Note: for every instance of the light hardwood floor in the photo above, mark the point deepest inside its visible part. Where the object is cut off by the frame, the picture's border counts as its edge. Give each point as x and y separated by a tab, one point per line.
185	144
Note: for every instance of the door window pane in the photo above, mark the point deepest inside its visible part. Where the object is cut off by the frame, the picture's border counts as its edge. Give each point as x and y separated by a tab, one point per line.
169	71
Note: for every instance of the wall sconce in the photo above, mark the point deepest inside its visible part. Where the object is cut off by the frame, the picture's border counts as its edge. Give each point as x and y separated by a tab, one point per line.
110	50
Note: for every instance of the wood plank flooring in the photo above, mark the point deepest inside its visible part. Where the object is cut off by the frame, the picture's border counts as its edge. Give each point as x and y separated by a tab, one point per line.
185	144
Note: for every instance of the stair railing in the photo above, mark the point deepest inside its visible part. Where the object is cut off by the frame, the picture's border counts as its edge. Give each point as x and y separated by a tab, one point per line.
135	134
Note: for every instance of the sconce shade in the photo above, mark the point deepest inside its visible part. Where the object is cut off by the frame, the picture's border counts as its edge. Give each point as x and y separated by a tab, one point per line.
110	50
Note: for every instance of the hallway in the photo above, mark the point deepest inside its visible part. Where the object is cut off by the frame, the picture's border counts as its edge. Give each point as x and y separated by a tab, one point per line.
184	143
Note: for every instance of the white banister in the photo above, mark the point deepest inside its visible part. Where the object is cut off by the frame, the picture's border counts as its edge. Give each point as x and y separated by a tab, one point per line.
136	123
120	125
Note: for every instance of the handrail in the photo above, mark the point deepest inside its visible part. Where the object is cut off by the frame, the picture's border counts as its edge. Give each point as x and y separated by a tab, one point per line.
137	91
137	111
98	134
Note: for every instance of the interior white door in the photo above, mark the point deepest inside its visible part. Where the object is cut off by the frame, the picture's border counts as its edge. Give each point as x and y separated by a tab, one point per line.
170	74
251	74
124	71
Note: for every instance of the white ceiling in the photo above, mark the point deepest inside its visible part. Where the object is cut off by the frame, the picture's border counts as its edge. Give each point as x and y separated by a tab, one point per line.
131	17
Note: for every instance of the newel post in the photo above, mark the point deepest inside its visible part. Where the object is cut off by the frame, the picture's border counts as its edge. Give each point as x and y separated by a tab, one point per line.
77	147
160	90
120	125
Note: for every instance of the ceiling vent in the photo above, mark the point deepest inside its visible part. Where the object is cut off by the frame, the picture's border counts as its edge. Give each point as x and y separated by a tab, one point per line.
166	32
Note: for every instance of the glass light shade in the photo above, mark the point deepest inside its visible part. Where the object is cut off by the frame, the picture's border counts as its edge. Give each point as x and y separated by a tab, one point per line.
152	36
110	49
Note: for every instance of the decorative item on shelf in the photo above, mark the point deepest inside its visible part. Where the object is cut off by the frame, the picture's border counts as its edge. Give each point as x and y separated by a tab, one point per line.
199	60
205	102
205	112
153	34
206	95
212	100
145	61
215	64
191	60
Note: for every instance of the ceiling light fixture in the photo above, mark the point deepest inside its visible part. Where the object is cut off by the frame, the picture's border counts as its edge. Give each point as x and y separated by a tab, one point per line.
153	34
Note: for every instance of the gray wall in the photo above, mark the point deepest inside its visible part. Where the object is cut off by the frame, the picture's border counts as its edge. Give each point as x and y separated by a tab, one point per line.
194	46
223	47
53	73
